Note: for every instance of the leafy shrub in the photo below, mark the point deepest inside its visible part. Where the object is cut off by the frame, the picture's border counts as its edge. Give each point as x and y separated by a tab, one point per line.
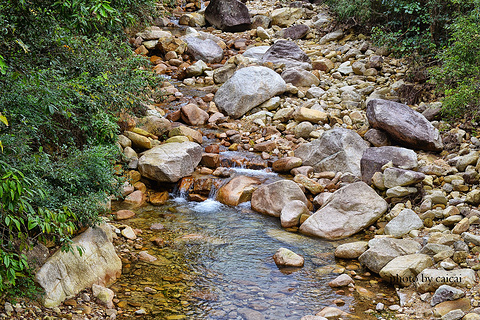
458	76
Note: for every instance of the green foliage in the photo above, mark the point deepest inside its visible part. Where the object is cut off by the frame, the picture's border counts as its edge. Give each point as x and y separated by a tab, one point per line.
458	76
67	75
21	220
404	26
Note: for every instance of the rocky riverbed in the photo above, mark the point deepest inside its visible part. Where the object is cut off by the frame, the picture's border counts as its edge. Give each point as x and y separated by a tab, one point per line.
295	130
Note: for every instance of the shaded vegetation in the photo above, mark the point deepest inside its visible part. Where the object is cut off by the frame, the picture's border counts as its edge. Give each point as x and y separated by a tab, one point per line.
66	76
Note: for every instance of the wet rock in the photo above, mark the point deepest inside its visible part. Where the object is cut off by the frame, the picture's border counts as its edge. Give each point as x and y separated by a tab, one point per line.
406	221
403	124
250	314
170	162
351	250
228	15
248	88
331	312
341	281
432	279
394	177
271	198
300	77
338	150
297	31
349	210
207	50
136	198
287	258
237	190
286	164
65	274
285	17
382	250
404	269
145	256
291	213
128	233
373	159
446	293
124	214
288	53
159	198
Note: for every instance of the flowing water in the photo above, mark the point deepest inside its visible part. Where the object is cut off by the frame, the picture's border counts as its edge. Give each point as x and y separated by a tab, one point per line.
216	263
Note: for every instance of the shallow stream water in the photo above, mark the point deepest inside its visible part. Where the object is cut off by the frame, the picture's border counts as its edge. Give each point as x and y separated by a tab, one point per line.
217	264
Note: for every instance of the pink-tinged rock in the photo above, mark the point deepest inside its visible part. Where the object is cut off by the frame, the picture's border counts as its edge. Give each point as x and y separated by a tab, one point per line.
124	214
271	198
237	190
193	115
341	281
136	198
145	256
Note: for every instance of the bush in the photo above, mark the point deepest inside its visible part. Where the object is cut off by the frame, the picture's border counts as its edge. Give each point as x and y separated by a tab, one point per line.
458	76
67	75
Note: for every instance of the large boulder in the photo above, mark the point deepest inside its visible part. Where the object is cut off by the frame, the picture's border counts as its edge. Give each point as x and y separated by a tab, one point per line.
271	198
171	161
346	212
337	150
404	124
228	15
207	50
237	190
65	274
247	88
432	279
374	159
288	53
383	250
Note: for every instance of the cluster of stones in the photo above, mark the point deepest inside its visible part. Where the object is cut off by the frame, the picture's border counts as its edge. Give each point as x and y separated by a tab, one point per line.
323	107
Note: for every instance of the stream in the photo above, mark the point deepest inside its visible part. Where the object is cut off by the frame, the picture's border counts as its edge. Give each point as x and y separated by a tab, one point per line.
216	263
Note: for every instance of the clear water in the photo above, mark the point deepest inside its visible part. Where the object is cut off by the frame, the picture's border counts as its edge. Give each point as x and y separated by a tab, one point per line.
218	264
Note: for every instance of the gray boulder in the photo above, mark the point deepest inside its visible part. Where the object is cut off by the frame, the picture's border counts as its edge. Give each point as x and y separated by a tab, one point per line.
247	88
337	150
228	15
288	53
382	250
207	50
170	162
373	159
403	124
65	274
346	212
272	198
406	221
